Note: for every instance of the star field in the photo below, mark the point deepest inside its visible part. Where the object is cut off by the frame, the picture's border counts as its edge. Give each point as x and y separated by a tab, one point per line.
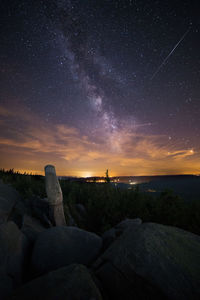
91	85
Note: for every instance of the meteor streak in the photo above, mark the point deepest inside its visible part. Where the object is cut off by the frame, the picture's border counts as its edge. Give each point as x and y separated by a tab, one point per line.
165	60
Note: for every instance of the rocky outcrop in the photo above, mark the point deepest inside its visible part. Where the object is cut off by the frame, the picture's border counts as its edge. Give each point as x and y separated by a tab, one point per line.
125	224
152	261
6	284
134	260
60	246
13	254
8	199
72	283
55	197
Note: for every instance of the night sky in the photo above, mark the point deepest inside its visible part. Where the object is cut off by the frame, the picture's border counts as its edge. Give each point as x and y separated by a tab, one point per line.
99	84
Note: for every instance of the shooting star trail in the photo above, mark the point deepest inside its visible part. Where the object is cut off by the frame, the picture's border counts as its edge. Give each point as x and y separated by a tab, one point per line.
164	61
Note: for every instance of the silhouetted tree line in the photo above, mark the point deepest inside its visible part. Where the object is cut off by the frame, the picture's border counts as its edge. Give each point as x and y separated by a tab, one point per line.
106	204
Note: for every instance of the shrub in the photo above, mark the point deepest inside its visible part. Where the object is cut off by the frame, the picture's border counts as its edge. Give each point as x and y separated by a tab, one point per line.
107	205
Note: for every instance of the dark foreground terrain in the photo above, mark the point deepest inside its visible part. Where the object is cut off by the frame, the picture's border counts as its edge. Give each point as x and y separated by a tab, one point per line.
116	244
107	204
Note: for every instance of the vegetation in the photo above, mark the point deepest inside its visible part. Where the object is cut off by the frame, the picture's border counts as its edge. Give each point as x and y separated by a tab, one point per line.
27	184
106	204
107	178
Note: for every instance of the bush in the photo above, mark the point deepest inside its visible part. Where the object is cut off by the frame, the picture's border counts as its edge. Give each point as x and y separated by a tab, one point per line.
107	205
26	184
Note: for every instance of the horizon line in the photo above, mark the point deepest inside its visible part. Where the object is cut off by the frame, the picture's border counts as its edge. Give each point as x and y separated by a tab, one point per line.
113	176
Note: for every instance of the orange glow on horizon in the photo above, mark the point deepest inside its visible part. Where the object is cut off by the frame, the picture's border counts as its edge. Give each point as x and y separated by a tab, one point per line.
87	174
134	154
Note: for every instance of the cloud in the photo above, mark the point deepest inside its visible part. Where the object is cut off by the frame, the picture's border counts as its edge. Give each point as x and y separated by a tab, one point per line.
181	153
124	152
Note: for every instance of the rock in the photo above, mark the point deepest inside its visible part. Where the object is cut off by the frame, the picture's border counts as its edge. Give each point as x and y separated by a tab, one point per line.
60	246
55	197
8	198
152	261
40	209
5	209
6	284
72	283
18	212
8	192
13	251
110	235
125	224
31	228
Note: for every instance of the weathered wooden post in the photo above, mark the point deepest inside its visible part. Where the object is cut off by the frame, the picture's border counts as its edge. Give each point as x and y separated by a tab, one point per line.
55	197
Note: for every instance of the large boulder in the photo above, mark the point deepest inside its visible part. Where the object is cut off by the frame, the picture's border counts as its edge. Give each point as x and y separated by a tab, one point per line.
125	224
110	235
31	227
72	283
152	261
13	252
60	246
8	199
6	284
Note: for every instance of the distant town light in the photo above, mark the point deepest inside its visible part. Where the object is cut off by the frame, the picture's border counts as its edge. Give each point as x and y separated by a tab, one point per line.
87	174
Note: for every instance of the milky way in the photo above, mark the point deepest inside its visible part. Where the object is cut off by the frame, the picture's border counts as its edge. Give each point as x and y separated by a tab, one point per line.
90	70
88	85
